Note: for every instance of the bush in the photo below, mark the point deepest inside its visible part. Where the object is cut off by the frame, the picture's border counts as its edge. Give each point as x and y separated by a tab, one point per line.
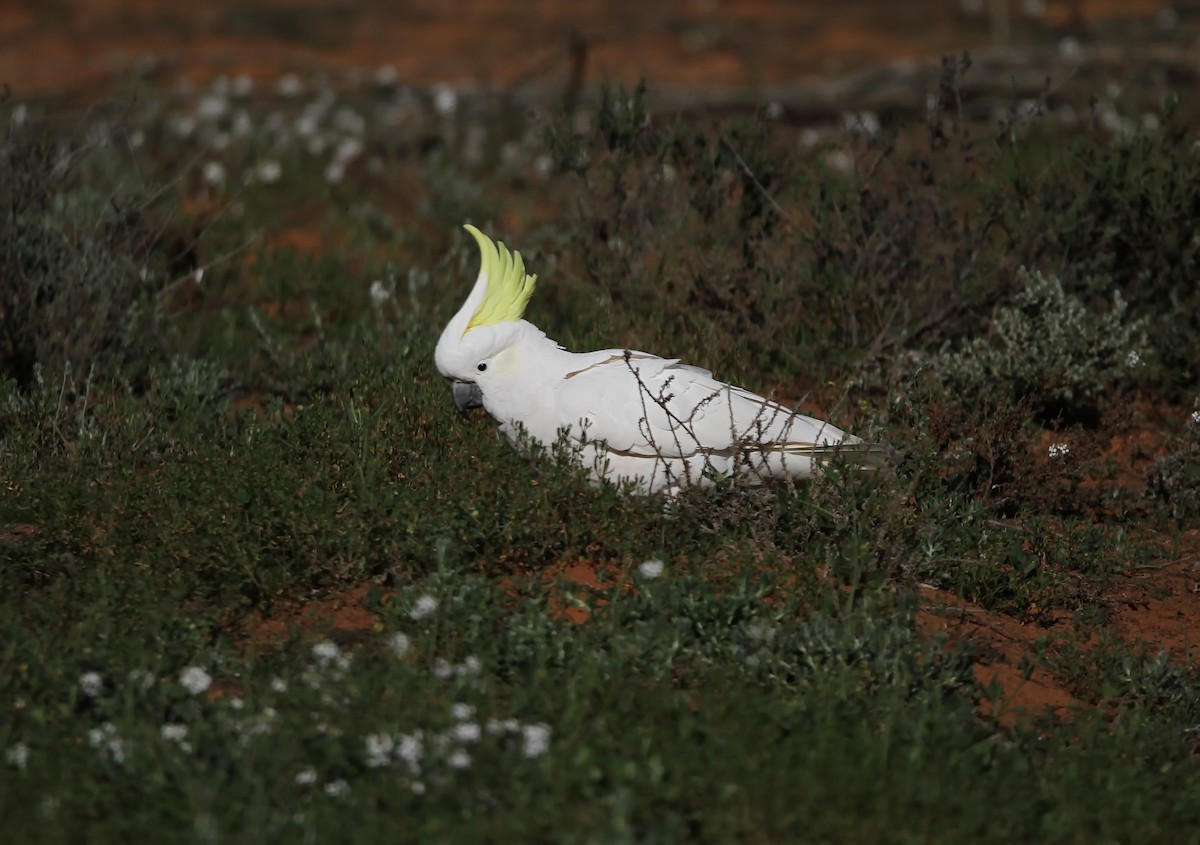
80	262
1050	349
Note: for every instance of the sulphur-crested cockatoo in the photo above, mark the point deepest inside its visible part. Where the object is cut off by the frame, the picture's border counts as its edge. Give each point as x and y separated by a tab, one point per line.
632	415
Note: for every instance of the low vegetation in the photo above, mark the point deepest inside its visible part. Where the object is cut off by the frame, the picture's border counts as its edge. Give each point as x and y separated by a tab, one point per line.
261	581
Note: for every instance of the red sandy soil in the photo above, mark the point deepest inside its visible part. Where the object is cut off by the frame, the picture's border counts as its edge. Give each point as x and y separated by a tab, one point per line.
73	45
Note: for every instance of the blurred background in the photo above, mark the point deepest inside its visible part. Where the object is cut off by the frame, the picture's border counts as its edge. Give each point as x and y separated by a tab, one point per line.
717	52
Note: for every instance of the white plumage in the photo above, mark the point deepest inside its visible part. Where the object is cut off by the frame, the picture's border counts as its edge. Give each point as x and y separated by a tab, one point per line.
632	415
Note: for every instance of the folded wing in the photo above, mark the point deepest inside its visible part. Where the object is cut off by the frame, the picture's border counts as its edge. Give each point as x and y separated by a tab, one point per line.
643	405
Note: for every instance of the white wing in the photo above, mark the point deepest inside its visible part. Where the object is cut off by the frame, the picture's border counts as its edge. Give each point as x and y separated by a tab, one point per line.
646	406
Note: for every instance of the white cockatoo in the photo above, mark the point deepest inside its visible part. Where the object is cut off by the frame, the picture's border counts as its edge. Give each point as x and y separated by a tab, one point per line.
631	415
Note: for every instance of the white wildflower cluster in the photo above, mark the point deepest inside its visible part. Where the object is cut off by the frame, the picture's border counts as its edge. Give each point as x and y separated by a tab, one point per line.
91	684
379	294
108	741
445	670
420	753
177	733
1059	450
329	664
195	680
651	569
328	655
424	607
17	755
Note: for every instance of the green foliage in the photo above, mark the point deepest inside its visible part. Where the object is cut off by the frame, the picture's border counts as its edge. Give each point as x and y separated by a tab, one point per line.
83	261
1173	481
1049	349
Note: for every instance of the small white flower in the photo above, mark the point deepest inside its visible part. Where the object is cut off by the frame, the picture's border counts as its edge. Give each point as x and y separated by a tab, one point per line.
289	85
460	759
268	171
337	788
866	123
1133	359
259	724
174	733
1070	50
279	685
442	669
212	107
386	75
1195	417
651	568
378	750
328	654
399	644
347	150
106	739
91	684
460	712
760	631
1058	450
198	275
417	787
424	607
535	740
307	125
242	85
236	703
214	173
195	680
503	726
411	749
839	160
17	755
379	294
445	99
334	172
466	732
470	666
306	777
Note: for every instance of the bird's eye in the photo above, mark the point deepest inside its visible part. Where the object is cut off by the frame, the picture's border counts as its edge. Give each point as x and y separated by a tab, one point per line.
482	366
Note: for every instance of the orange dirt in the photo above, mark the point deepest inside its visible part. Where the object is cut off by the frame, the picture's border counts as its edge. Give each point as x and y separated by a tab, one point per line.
1003	643
335	613
67	46
1161	607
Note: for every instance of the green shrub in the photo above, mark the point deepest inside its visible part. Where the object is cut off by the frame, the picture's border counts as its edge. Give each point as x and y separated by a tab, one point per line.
1047	347
81	260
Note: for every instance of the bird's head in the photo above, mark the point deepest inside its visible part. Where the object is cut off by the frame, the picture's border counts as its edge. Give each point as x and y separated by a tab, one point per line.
477	344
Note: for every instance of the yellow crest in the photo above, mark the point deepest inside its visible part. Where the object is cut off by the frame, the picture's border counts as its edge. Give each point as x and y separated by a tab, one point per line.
508	288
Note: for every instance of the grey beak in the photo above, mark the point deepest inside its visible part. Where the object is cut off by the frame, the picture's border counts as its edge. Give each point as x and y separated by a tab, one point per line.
467	395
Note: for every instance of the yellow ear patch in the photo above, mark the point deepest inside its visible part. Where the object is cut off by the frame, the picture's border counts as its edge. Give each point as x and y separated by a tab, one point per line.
508	288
